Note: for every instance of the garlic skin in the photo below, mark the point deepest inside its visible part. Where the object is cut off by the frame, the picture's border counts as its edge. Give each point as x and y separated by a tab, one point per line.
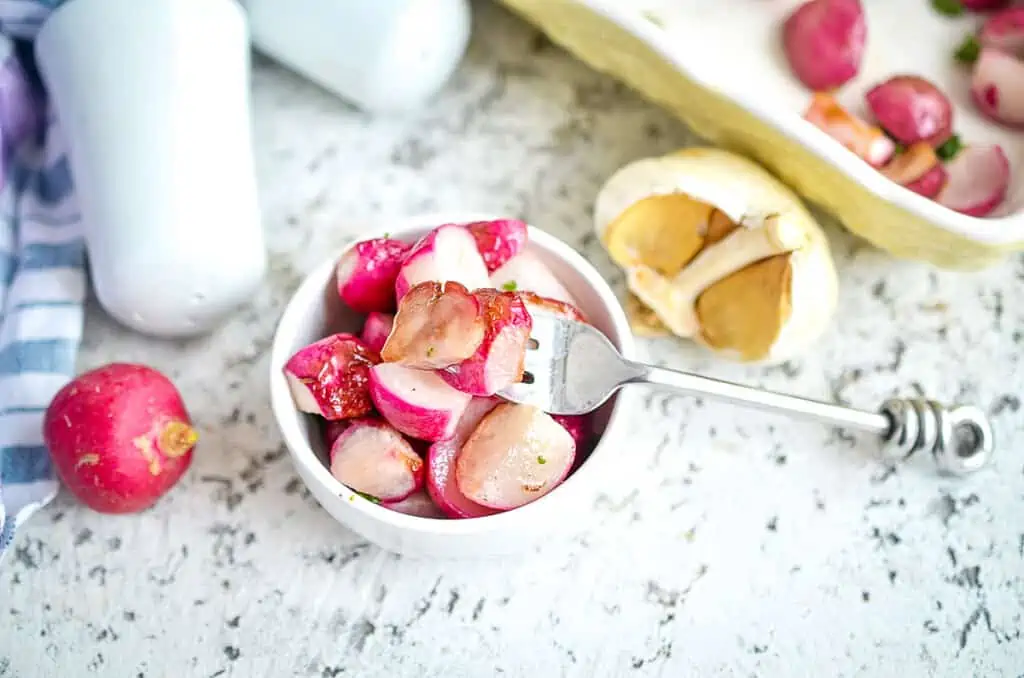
768	220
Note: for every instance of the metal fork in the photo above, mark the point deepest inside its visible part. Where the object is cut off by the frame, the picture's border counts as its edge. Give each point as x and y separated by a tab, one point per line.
572	368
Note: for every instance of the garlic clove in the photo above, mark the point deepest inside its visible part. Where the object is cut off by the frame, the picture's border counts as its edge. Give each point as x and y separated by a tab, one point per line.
663	232
642	320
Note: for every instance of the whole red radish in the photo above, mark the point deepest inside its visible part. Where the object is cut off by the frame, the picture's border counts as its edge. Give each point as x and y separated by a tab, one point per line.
119	436
824	42
912	109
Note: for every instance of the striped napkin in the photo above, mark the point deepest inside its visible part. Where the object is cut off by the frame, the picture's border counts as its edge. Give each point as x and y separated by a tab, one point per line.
42	279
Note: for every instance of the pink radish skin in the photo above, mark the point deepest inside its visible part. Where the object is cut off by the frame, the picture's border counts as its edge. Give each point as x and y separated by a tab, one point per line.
330	377
516	455
919	169
912	109
1004	31
417	504
441	484
367	272
437	325
416	402
997	87
373	458
446	254
498	362
537	304
824	42
498	241
979	177
376	330
868	142
578	426
525	272
119	437
333	429
984	5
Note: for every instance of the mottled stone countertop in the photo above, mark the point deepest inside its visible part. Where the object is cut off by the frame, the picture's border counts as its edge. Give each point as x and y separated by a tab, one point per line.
740	545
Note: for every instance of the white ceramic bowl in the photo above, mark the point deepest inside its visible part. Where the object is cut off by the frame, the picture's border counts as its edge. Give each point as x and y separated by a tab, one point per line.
316	311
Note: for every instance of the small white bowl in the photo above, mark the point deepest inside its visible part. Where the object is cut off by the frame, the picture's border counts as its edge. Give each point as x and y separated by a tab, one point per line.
316	311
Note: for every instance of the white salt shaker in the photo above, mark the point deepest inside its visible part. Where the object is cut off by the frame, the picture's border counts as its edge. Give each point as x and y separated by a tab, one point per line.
380	55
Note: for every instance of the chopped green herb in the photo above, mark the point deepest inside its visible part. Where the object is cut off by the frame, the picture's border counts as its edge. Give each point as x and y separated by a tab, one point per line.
948	7
541	460
900	149
510	286
430	351
948	150
387	235
369	497
968	51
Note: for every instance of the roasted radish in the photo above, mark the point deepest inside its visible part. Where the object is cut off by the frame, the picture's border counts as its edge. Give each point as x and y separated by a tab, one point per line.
918	169
997	86
330	377
417	504
824	42
437	325
516	455
526	272
498	240
498	361
374	459
441	484
446	254
868	142
538	304
978	179
578	427
911	109
376	330
416	402
367	272
1004	31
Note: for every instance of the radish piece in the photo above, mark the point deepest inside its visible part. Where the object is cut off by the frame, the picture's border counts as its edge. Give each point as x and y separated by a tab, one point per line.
525	272
578	426
441	483
119	437
366	274
911	109
997	86
824	42
374	459
376	330
538	304
978	179
417	504
516	455
333	429
918	169
446	254
869	143
498	240
330	377
437	325
416	402
498	362
1004	31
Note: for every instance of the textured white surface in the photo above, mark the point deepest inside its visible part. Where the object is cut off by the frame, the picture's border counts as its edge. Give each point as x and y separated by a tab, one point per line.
738	544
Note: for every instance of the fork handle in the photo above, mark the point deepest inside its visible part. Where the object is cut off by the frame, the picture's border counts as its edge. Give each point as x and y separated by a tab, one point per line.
960	439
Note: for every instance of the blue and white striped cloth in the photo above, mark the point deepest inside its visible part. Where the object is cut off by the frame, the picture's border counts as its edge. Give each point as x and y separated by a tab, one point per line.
42	279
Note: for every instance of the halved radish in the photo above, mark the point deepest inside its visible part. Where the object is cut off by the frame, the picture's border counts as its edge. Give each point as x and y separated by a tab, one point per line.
498	362
538	304
1004	31
376	329
366	274
911	109
516	455
919	169
869	143
448	253
824	42
418	504
978	179
374	459
437	325
498	240
416	402
525	272
333	429
441	483
997	86
578	426
330	377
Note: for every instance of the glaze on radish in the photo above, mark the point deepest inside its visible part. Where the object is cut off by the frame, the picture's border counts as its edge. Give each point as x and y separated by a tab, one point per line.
437	325
374	459
330	377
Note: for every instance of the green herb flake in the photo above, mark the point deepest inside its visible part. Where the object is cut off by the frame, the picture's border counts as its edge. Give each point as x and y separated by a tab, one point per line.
510	286
948	150
948	7
431	351
541	460
968	51
900	149
387	235
369	497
